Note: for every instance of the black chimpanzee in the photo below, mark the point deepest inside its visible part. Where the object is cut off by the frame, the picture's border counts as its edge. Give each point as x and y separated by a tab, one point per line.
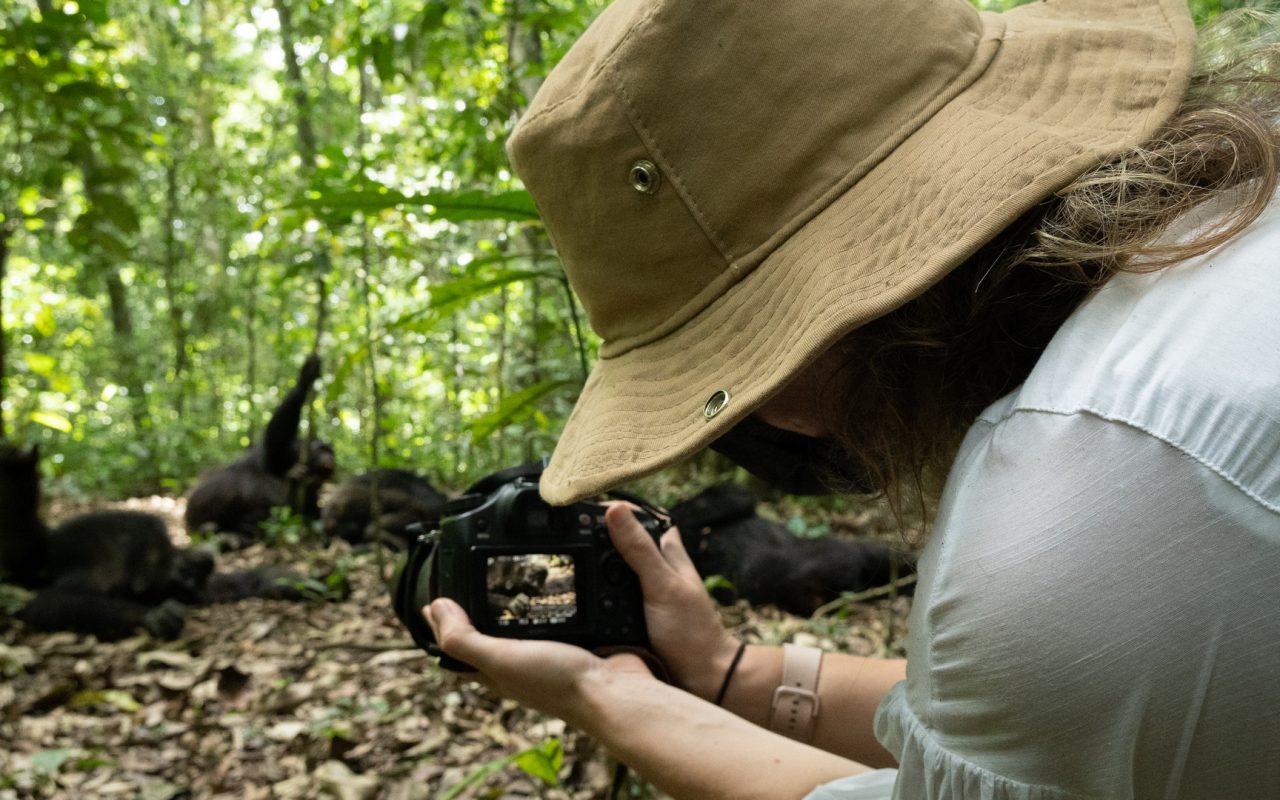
404	499
108	573
766	563
236	497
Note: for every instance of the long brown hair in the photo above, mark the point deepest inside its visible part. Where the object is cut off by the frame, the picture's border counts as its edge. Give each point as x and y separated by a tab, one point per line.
913	381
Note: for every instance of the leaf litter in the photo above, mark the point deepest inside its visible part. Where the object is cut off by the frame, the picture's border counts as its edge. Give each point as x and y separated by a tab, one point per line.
269	699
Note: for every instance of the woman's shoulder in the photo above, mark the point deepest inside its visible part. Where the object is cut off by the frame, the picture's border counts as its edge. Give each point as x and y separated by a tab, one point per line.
1189	354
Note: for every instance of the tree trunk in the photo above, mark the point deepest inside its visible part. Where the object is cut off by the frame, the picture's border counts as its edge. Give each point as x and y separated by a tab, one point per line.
293	72
306	148
5	233
524	50
251	333
127	351
177	321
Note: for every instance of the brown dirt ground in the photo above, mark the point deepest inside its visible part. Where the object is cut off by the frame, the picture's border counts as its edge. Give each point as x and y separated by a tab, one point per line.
266	699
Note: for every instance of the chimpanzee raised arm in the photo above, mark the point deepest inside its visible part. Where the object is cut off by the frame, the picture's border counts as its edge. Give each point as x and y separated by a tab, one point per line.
236	497
279	446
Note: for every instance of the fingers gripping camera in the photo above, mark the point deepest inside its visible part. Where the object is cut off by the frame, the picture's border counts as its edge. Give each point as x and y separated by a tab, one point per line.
523	569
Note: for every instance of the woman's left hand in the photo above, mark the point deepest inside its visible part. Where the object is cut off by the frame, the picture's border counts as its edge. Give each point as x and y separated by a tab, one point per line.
548	676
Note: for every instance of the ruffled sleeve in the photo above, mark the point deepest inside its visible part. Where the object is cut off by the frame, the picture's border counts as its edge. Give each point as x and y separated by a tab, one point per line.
935	772
876	785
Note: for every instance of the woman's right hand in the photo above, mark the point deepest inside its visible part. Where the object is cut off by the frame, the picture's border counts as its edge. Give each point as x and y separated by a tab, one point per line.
684	627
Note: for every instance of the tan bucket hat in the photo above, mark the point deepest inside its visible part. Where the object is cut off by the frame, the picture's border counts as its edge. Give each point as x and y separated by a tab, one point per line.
733	185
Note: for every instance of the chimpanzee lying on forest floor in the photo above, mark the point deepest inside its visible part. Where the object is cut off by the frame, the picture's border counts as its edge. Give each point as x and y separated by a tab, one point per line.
766	564
110	573
403	497
235	498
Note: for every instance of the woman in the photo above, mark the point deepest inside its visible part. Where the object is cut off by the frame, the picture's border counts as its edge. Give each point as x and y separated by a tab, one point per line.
1033	253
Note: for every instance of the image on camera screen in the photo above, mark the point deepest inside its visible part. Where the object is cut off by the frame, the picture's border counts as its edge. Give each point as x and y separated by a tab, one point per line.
533	589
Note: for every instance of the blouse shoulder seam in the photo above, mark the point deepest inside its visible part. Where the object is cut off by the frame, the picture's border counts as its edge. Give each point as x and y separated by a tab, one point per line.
1271	505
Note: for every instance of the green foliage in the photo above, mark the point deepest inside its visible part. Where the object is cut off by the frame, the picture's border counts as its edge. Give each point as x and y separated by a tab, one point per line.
542	762
283	528
174	247
713	582
804	529
47	762
175	244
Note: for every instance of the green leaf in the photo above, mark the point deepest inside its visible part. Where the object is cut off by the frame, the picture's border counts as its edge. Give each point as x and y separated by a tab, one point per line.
452	295
50	420
95	10
29	200
713	582
514	408
50	761
115	173
432	16
41	364
107	697
473	206
476	777
382	51
117	209
45	323
543	762
77	91
515	205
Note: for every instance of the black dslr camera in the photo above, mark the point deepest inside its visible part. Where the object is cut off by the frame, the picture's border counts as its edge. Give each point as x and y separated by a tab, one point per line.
523	569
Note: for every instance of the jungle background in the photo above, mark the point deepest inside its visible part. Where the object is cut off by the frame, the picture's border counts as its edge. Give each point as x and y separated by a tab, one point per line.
193	195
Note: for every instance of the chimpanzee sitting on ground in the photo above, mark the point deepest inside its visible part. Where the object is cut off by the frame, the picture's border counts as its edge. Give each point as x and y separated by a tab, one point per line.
403	497
766	564
237	497
107	573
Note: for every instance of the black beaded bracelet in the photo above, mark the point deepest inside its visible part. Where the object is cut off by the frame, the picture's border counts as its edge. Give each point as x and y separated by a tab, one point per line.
733	665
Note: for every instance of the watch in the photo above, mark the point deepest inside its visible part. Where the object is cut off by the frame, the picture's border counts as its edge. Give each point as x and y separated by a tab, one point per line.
795	702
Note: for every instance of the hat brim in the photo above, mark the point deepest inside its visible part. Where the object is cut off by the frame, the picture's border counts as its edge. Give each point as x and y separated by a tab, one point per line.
1071	85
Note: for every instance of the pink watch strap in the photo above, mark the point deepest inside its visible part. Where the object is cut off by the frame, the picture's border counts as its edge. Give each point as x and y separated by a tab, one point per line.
795	701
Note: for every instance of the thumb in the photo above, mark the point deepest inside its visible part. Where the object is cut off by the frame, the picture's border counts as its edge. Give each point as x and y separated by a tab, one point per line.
456	635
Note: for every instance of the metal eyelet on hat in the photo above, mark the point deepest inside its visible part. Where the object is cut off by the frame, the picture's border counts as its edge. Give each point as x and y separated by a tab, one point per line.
645	177
716	403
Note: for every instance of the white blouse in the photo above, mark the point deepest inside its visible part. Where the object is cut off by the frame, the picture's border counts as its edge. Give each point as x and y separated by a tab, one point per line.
1099	608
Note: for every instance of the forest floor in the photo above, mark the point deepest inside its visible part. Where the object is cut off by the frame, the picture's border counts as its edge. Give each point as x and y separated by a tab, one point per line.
269	699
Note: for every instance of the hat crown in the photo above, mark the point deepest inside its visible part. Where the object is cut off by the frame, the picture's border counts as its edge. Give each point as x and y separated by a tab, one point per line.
754	115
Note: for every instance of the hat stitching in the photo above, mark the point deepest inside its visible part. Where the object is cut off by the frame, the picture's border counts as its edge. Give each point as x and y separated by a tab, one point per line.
984	55
604	62
1023	57
590	463
1006	191
647	389
985	51
637	124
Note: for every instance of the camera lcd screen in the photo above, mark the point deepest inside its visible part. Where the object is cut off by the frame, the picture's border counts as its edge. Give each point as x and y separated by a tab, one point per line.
531	589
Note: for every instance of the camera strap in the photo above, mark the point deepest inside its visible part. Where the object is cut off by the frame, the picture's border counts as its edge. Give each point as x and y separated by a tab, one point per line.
657	513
